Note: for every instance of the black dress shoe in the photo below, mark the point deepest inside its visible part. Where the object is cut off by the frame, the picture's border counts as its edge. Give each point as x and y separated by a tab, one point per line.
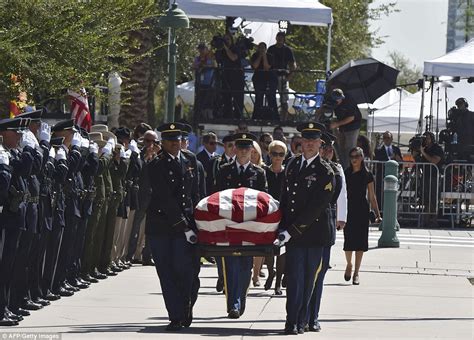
30	305
21	311
64	292
278	291
220	285
290	330
68	286
51	297
315	328
41	301
269	282
81	280
300	330
116	268
233	314
78	284
98	275
174	326
90	279
13	316
110	272
5	321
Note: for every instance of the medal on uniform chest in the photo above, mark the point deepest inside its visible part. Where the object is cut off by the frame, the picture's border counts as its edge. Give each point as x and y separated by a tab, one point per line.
310	179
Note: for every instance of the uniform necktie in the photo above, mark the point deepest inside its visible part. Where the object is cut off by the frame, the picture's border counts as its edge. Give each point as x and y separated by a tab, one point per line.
304	165
242	169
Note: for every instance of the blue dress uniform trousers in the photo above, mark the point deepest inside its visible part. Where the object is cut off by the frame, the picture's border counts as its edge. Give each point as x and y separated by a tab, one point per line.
237	272
302	266
175	264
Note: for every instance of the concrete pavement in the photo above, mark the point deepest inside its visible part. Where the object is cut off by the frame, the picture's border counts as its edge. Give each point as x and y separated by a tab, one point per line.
419	291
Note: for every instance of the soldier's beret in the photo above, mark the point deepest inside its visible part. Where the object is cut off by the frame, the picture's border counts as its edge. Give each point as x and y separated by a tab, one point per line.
311	130
99	128
244	139
186	129
170	131
32	115
13	124
122	132
63	125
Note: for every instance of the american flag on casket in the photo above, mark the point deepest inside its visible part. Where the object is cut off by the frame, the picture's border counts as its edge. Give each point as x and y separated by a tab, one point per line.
235	217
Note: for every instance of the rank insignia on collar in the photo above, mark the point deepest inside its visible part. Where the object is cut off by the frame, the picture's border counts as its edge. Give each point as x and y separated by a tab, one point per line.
328	186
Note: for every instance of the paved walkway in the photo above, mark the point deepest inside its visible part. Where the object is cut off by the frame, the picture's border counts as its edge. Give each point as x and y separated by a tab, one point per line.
433	299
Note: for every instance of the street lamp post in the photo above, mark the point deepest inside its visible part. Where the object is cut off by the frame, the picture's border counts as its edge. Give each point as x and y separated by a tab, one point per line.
173	19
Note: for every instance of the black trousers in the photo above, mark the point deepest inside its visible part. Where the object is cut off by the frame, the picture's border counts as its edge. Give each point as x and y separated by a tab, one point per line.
35	263
66	250
78	251
9	239
19	282
53	245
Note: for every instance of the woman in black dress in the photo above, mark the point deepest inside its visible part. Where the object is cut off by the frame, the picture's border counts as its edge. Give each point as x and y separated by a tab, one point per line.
356	232
275	173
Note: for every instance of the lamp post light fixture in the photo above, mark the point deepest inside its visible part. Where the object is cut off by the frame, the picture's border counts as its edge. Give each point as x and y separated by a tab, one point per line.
172	19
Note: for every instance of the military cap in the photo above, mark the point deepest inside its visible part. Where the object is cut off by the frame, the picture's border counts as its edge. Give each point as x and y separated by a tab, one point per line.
244	139
186	129
57	141
328	138
97	138
170	131
122	132
32	115
67	124
99	128
228	138
13	124
311	130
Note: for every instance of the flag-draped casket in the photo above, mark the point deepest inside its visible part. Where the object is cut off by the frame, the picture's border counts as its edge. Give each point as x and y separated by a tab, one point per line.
237	217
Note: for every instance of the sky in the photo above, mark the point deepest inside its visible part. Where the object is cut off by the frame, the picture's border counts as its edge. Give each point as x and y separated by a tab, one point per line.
417	31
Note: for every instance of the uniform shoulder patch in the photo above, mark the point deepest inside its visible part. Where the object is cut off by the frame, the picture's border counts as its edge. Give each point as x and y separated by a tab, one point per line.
328	186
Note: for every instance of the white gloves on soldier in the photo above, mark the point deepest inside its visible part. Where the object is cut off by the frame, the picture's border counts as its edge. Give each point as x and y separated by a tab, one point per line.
61	154
28	139
122	152
191	236
107	149
45	132
112	142
52	153
85	143
76	140
133	147
283	237
94	148
4	157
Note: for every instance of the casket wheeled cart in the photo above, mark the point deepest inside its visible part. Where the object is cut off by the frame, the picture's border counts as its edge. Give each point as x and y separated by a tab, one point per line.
238	222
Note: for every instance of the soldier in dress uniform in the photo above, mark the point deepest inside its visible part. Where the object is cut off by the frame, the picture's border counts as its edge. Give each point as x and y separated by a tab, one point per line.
240	173
216	165
170	225
337	221
308	189
15	167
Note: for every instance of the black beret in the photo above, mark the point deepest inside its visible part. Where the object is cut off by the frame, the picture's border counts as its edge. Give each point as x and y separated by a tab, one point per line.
122	132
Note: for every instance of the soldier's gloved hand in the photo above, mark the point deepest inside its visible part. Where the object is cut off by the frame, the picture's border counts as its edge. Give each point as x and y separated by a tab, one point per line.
45	132
112	142
85	143
52	153
107	149
61	154
4	157
122	152
133	147
191	236
94	148
28	139
283	237
76	140
128	153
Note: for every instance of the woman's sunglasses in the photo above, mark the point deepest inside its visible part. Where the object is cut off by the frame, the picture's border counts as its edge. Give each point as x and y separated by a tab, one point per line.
354	156
277	154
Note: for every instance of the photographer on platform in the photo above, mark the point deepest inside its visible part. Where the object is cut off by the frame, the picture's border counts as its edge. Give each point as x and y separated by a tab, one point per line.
348	122
228	56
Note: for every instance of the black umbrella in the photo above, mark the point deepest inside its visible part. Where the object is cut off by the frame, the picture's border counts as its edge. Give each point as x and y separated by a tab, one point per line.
364	80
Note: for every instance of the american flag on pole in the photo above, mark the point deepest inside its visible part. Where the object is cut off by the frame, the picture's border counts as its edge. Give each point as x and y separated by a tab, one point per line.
240	216
80	109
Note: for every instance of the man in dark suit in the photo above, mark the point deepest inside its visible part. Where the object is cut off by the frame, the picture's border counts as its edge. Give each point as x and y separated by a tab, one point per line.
209	141
384	153
309	187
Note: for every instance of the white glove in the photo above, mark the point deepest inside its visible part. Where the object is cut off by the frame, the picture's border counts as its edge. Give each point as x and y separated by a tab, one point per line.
112	142
94	148
128	153
107	149
45	132
85	143
52	153
191	236
61	154
76	140
28	140
133	147
4	157
122	152
283	237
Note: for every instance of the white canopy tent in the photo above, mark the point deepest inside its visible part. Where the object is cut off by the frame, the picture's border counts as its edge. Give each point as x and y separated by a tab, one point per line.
457	63
392	96
297	12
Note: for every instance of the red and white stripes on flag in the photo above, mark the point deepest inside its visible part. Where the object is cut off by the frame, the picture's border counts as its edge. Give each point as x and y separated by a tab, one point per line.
240	216
80	109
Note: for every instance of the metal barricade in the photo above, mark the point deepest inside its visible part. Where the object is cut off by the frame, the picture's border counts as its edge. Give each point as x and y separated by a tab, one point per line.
418	194
457	195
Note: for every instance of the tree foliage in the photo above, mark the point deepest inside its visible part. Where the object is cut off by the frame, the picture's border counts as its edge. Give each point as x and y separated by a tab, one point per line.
409	73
